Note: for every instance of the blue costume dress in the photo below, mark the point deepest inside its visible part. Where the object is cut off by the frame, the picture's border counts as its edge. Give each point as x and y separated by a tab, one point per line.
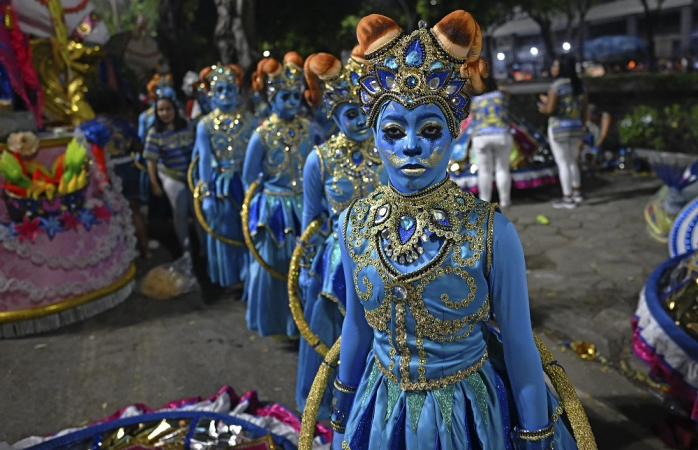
277	153
340	170
429	269
228	134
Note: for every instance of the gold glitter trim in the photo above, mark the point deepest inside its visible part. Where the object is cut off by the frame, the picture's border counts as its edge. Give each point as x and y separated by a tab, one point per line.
568	398
190	172
317	391
71	302
490	238
294	300
199	213
245	216
436	383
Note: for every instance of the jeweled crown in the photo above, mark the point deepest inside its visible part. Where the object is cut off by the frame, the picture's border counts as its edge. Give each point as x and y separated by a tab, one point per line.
345	87
220	73
289	78
414	70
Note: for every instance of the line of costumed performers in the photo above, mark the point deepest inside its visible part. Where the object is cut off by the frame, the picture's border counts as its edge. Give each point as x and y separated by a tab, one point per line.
340	224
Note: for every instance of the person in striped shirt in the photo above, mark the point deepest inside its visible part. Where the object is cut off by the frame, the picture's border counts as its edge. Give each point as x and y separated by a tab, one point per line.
168	148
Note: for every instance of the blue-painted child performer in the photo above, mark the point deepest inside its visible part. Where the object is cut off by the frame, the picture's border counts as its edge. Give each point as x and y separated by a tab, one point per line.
222	137
344	168
275	158
429	265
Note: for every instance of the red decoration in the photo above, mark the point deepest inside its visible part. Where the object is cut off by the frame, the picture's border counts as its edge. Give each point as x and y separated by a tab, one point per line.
101	212
69	221
28	229
100	159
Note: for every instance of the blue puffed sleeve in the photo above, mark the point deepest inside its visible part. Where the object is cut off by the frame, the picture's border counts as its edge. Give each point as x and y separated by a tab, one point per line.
509	293
253	161
313	189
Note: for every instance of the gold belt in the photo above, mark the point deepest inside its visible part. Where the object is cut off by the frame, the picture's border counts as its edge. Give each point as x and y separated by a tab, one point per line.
436	383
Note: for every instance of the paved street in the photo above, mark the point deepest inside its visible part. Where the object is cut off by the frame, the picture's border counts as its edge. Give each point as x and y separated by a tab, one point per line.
586	268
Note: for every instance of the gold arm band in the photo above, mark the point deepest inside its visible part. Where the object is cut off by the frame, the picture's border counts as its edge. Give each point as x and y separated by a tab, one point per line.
345	388
199	213
190	173
293	300
317	390
568	398
245	215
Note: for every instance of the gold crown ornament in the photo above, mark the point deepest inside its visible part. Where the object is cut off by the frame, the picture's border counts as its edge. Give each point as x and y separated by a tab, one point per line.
418	69
221	73
289	78
345	87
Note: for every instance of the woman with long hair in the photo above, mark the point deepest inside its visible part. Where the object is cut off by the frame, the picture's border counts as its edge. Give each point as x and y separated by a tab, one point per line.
566	105
168	148
492	142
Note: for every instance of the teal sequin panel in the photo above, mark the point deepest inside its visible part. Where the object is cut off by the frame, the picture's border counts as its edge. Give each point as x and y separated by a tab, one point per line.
370	382
478	385
444	398
393	395
415	403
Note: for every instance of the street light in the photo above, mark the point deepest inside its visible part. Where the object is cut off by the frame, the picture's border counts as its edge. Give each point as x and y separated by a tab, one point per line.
566	46
534	51
500	56
266	53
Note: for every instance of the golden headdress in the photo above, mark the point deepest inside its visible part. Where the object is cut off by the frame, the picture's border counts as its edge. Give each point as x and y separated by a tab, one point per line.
441	65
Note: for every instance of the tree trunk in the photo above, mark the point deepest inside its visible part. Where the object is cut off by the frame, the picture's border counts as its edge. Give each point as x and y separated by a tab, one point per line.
651	48
171	23
234	34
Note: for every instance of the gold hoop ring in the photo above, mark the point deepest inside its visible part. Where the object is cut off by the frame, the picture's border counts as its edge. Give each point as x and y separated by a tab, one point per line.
568	398
199	213
245	215
190	172
294	301
317	391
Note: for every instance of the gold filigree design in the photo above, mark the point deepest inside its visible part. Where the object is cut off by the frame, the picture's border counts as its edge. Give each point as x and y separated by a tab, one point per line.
343	88
336	161
281	140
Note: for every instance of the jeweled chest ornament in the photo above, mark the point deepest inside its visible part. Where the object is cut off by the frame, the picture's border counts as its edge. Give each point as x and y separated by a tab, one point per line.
405	223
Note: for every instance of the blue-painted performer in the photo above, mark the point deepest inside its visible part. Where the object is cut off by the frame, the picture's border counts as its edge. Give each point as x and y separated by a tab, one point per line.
345	168
273	177
221	141
429	265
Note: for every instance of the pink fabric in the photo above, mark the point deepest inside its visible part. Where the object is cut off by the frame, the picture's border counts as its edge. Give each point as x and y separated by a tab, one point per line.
660	370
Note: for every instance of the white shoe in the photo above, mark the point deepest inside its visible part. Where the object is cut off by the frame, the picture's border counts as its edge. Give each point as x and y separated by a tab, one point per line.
577	198
564	203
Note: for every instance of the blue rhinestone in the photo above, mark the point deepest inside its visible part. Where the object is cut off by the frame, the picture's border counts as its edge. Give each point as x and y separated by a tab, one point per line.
391	62
411	82
406	222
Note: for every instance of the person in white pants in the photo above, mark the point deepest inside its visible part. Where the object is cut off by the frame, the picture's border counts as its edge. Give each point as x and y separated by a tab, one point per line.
492	142
566	104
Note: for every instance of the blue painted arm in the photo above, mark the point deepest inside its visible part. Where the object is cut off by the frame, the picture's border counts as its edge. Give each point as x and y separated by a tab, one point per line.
313	189
509	294
202	145
357	335
253	161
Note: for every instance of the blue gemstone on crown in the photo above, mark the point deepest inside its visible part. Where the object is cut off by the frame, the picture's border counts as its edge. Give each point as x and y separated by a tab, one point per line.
415	54
411	82
386	77
354	77
437	79
436	65
454	87
370	84
391	62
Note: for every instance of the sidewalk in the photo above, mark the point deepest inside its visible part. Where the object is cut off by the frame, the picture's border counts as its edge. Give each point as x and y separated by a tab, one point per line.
585	270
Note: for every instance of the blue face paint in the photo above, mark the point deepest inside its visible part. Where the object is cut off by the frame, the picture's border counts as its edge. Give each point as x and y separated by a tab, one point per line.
415	145
351	120
286	103
224	95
